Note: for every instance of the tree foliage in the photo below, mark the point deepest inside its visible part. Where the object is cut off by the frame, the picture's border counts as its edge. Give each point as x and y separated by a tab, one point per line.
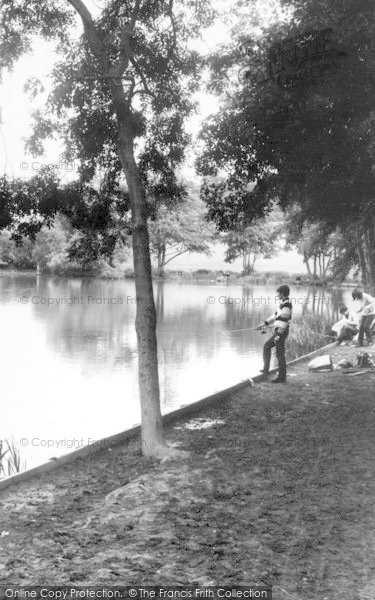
180	230
119	100
260	239
310	143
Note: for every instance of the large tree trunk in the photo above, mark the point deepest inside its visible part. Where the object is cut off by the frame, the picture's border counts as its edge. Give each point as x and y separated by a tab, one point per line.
369	254
153	443
371	251
362	257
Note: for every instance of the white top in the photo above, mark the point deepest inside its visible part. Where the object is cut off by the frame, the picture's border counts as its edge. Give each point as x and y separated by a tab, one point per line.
349	320
367	304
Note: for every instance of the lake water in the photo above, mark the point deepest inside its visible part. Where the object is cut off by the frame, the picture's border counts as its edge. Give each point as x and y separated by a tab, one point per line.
69	355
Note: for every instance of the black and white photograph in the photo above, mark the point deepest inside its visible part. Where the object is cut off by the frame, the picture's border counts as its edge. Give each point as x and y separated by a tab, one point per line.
187	299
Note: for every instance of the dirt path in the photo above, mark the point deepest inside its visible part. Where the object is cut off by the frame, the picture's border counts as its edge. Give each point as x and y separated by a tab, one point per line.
279	490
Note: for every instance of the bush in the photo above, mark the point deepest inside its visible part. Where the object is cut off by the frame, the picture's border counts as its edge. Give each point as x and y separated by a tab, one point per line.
202	272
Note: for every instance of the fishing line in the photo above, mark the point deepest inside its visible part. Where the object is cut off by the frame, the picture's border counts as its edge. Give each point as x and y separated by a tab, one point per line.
206	335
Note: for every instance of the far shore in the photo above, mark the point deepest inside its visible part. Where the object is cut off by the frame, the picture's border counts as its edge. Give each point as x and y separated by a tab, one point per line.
198	276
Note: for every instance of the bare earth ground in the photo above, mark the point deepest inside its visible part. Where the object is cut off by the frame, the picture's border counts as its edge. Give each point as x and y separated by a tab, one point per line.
279	490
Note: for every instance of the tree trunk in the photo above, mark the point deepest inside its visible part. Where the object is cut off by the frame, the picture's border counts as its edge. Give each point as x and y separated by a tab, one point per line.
153	443
371	252
161	260
314	274
253	263
160	300
369	255
327	264
246	263
306	261
362	257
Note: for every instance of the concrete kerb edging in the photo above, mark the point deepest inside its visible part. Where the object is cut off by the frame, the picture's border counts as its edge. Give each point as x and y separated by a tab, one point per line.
134	432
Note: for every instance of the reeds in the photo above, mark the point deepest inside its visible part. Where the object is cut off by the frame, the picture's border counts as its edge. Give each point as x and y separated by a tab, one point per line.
10	458
308	333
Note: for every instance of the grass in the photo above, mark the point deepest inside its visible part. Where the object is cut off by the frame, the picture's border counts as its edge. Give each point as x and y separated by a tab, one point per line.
308	333
10	459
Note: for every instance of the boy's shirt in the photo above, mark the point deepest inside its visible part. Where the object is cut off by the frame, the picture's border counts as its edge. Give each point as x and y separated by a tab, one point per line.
367	305
281	317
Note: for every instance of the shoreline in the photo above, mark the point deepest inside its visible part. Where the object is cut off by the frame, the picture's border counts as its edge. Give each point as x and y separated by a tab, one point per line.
277	490
129	436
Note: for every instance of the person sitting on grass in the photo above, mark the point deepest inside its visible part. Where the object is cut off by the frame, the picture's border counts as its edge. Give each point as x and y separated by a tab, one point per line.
281	320
367	315
347	328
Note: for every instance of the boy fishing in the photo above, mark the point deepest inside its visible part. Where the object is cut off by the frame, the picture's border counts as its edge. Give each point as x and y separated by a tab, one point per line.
281	319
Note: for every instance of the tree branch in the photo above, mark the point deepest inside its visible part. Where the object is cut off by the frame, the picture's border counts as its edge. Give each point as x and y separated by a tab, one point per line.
168	254
135	14
142	92
93	36
175	256
126	50
174	34
143	79
82	10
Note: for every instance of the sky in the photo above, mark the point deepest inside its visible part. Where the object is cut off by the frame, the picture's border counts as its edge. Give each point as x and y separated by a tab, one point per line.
16	110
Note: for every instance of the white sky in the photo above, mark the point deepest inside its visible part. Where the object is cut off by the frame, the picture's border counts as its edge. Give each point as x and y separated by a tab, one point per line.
16	119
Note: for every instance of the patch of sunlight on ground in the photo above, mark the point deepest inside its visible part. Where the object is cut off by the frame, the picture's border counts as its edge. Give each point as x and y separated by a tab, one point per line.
201	423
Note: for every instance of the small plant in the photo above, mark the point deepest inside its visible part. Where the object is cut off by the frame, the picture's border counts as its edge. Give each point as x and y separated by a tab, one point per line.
10	459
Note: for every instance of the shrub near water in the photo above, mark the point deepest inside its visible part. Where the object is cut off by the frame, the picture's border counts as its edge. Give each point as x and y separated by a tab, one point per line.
308	333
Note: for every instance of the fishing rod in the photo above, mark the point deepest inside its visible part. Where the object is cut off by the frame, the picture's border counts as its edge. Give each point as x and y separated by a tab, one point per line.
263	330
206	335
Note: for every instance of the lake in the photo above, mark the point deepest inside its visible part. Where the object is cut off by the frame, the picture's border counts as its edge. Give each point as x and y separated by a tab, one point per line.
69	354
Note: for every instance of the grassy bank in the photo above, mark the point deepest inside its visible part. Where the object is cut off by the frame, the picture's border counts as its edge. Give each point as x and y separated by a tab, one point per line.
278	490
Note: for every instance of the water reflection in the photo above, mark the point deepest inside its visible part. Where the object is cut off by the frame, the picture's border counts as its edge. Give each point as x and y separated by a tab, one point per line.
69	355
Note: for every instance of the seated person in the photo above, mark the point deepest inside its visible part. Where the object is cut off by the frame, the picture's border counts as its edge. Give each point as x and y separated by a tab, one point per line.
347	328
